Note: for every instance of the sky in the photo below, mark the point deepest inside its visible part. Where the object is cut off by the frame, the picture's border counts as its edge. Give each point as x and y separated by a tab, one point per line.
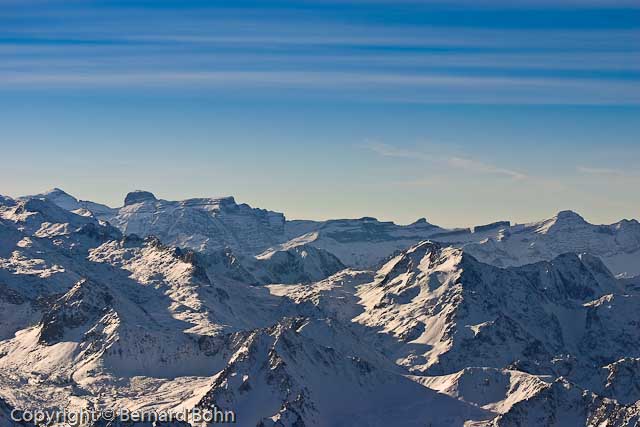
463	112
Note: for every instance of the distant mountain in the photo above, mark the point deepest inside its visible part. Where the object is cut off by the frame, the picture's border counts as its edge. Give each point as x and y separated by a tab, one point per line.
70	203
617	245
200	224
295	264
363	242
210	225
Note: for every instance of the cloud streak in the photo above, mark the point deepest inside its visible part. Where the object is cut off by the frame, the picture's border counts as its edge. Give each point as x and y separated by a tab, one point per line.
476	166
313	48
456	162
341	36
608	172
508	4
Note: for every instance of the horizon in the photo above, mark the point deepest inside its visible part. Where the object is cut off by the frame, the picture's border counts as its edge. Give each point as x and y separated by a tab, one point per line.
288	218
461	112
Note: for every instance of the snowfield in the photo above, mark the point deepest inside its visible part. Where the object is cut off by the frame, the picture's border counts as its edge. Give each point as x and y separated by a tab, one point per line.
173	305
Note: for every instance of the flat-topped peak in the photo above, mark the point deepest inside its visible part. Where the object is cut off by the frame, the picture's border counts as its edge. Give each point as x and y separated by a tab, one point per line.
138	196
568	215
226	200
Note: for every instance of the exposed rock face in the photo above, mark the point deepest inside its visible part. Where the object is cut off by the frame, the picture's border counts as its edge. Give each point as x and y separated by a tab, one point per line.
622	381
139	196
295	380
87	300
492	226
205	225
563	404
5	416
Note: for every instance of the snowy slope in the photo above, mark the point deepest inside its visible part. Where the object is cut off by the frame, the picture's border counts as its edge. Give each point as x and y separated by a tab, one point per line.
302	263
497	338
365	242
617	245
200	224
281	376
70	203
563	404
451	311
86	310
360	243
493	389
211	225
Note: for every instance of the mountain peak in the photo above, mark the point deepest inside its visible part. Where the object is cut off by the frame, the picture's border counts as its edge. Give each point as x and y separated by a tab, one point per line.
56	191
138	196
55	194
421	257
569	215
564	220
426	246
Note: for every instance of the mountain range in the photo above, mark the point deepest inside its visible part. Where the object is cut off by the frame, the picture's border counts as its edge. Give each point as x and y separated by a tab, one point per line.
173	305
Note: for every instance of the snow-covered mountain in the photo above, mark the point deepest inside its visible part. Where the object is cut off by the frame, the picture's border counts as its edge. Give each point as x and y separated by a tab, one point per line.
617	245
219	224
200	224
70	203
363	242
366	242
501	339
174	305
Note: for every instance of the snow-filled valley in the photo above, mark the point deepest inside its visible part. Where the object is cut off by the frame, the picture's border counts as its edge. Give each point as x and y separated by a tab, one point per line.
173	305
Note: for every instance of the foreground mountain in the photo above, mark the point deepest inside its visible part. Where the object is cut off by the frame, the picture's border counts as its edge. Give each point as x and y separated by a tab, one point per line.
283	375
270	319
563	329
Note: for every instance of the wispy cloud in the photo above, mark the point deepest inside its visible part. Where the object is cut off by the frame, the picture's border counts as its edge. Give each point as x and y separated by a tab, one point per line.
481	167
123	57
339	36
607	172
510	4
285	46
387	150
406	87
457	162
305	78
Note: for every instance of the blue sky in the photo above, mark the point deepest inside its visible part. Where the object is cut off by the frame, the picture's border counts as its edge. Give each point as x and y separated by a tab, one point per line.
456	111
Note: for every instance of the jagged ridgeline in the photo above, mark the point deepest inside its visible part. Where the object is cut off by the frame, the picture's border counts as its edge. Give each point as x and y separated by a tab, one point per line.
174	305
